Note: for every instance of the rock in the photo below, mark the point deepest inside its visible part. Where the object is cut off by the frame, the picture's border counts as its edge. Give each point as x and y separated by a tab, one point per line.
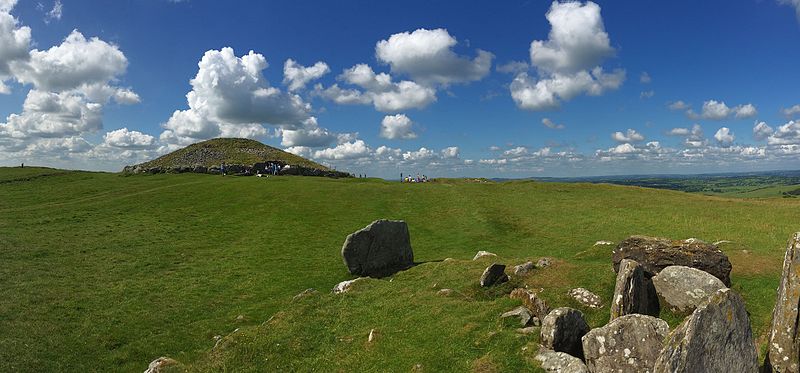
603	243
544	262
682	289
305	293
559	362
632	292
372	336
629	343
783	349
655	254
520	315
586	298
240	318
159	365
494	274
444	292
482	254
536	305
345	286
528	330
524	268
378	250
715	338
562	330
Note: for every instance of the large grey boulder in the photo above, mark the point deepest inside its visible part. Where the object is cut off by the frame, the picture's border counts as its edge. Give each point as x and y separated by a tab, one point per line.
715	338
633	293
682	289
562	330
560	362
493	275
629	343
783	349
378	250
655	254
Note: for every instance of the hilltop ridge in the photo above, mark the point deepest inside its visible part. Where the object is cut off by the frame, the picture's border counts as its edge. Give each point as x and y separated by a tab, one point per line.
239	156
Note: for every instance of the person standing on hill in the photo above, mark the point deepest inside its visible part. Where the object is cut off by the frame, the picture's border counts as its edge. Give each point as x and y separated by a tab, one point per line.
222	168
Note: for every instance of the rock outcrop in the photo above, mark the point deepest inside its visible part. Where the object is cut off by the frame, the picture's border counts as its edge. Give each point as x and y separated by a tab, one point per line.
483	254
559	362
629	343
378	250
562	330
345	286
494	274
161	364
531	301
716	338
682	289
520	316
633	293
655	254
524	268
783	349
586	298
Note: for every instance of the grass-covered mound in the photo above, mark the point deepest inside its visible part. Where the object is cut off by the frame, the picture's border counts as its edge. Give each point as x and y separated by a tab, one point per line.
231	151
101	272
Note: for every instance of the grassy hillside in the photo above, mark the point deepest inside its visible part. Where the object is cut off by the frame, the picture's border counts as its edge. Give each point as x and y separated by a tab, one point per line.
213	152
104	272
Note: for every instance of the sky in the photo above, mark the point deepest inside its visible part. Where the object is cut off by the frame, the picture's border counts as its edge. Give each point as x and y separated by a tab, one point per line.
490	89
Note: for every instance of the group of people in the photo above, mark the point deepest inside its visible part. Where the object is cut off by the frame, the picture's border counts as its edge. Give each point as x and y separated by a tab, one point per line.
270	169
411	179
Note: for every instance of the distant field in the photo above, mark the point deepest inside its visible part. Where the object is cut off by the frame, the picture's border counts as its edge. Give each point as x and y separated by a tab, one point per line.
783	184
101	272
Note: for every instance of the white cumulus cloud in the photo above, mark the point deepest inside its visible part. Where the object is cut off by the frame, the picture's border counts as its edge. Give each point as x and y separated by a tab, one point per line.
724	136
568	62
231	97
397	127
762	131
379	90
427	56
630	136
296	76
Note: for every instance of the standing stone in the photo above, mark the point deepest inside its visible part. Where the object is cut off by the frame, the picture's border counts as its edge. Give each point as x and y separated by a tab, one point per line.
586	298
655	254
378	250
531	301
494	274
562	330
682	289
631	292
783	349
544	262
629	343
559	362
715	338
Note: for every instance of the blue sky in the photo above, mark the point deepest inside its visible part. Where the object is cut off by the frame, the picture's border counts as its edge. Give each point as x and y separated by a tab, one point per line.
426	87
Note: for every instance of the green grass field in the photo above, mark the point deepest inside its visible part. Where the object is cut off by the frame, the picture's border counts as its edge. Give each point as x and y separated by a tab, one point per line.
102	272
